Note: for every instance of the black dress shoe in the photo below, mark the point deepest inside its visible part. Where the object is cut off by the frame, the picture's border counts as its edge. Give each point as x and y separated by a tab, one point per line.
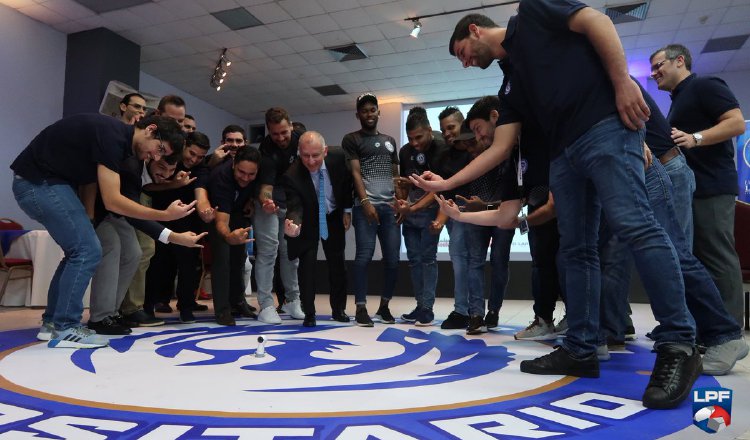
673	376
142	319
163	308
195	307
243	309
309	321
108	326
340	316
225	318
560	362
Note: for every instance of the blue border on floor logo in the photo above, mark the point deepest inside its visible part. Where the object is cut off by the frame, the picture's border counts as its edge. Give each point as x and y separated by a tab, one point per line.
584	408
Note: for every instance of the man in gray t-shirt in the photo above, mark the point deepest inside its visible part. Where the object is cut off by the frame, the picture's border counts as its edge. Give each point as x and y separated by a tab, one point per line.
374	163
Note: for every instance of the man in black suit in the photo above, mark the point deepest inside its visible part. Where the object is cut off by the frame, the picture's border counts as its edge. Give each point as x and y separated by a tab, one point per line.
303	228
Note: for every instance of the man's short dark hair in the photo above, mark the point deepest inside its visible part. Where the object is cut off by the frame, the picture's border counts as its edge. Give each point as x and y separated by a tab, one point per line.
247	153
126	100
171	159
483	108
672	51
170	99
299	127
190	117
462	28
275	115
233	129
417	120
198	139
417	109
167	129
450	111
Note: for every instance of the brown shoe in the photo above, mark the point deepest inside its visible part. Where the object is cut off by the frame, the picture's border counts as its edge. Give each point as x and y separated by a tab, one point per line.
225	318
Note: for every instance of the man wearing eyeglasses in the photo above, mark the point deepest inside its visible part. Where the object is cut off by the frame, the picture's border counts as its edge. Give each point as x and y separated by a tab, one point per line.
132	108
704	117
76	152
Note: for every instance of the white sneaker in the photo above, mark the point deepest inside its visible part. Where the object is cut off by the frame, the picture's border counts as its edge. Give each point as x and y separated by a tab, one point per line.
539	330
77	337
602	353
269	315
45	331
293	309
720	359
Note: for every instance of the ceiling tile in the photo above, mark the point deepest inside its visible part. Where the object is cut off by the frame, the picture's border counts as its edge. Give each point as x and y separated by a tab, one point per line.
206	24
365	34
304	44
68	9
217	5
318	56
302	8
352	18
333	39
374	48
337	5
246	52
42	13
152	13
269	13
702	5
287	29
331	69
737	13
667	7
230	38
275	48
292	60
71	27
256	34
318	24
382	13
181	9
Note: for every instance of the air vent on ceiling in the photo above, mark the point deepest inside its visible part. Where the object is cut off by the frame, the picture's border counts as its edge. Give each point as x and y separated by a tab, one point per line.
100	7
347	53
331	90
627	13
725	43
237	18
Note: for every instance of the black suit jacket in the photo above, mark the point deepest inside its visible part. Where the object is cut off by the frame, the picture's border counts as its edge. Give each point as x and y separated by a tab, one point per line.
302	201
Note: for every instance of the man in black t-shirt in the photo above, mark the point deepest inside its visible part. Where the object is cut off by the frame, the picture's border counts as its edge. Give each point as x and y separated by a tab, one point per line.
705	116
231	189
278	151
76	152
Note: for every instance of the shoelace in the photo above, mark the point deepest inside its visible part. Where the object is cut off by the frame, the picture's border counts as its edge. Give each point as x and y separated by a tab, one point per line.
664	370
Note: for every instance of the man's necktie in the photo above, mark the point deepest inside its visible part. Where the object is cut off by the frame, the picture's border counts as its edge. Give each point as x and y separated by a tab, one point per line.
322	206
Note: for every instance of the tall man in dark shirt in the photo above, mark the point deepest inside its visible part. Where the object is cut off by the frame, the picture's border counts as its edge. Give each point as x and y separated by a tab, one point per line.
591	112
319	180
705	116
76	151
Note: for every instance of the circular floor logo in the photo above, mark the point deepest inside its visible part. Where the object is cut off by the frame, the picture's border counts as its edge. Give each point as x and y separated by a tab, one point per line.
331	381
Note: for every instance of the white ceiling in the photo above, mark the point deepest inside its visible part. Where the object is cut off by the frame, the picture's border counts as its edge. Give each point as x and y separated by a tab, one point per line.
277	64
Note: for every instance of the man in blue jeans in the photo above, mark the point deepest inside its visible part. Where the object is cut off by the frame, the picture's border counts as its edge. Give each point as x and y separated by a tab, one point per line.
374	163
592	114
75	153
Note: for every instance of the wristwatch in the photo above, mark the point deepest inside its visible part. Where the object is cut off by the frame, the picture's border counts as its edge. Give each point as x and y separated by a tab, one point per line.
698	138
491	206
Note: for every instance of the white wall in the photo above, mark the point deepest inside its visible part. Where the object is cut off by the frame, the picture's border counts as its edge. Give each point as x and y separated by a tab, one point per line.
32	75
211	120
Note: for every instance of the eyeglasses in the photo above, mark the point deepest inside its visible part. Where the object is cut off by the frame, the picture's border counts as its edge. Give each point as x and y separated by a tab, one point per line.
138	107
658	65
161	150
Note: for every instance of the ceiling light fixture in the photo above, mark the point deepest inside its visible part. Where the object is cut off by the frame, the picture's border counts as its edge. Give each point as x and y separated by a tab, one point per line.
417	28
418	23
220	72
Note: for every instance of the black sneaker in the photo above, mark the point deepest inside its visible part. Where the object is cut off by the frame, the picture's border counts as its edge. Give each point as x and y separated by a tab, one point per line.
630	333
672	378
425	318
225	318
411	316
384	315
163	308
108	326
142	319
363	318
243	309
560	362
476	325
195	307
455	321
186	317
491	319
121	320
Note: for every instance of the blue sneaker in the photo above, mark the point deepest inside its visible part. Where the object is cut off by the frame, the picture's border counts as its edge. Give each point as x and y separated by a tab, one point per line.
77	337
425	318
411	316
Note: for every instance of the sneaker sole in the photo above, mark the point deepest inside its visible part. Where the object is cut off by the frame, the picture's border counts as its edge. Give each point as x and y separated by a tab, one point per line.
478	331
150	324
385	321
423	324
59	343
366	324
44	336
547	337
582	373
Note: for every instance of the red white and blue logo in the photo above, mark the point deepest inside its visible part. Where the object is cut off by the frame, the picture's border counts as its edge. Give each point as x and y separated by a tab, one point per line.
712	409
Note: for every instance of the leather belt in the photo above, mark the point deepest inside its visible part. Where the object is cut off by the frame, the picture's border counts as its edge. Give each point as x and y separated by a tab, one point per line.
669	155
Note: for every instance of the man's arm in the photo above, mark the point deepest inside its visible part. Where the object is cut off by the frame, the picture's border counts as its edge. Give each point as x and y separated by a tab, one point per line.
729	125
505	216
87	194
359	187
602	35
114	201
543	214
505	139
238	236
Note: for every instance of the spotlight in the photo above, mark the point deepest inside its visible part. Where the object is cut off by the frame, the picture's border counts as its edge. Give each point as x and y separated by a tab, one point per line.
220	72
417	29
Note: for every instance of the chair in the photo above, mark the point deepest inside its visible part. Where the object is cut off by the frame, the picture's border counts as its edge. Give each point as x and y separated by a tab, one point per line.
13	266
742	245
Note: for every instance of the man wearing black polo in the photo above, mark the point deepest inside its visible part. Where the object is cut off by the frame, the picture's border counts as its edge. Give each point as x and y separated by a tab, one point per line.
592	115
705	116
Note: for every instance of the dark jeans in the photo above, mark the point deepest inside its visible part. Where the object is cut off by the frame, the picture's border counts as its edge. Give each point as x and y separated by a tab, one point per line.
544	241
389	234
227	268
478	238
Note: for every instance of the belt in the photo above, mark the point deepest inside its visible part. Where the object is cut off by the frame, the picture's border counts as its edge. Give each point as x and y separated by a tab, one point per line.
669	155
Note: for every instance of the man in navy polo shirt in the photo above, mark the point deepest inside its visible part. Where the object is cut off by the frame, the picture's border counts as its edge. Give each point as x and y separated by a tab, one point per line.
75	152
569	76
705	116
